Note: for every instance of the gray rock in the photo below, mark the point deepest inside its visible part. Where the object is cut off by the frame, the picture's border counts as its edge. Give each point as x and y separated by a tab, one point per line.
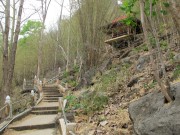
177	57
126	60
151	116
103	123
142	61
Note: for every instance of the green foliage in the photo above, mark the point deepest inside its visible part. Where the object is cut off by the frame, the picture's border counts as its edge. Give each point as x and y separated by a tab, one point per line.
88	102
128	5
72	83
164	12
93	101
72	103
65	74
171	56
130	21
141	48
31	27
76	68
166	4
107	79
176	73
150	86
164	45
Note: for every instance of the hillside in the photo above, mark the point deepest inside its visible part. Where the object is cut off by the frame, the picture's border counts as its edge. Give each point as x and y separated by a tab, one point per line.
102	106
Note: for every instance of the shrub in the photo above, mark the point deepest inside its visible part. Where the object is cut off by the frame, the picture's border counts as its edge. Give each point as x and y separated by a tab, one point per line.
176	73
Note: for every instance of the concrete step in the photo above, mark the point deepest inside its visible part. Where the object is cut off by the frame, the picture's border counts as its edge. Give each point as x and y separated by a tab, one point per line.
45	108
50	100
31	127
47	95
48	131
32	121
44	112
50	90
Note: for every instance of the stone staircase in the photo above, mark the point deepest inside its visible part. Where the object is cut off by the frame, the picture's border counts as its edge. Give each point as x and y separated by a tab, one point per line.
42	118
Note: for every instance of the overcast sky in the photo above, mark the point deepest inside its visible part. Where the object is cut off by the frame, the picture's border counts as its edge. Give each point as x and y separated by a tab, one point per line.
53	12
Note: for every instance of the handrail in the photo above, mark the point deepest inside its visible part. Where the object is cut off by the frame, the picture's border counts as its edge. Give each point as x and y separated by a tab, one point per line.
2	110
3	107
54	78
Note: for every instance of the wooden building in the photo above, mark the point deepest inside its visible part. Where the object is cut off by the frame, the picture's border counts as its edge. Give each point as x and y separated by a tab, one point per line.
119	34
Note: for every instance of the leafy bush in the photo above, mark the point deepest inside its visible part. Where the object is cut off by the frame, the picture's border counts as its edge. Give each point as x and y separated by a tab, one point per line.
76	68
88	103
92	102
72	103
176	73
141	48
72	83
65	74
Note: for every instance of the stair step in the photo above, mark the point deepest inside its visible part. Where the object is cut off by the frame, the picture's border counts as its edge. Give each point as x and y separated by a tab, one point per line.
45	108
51	93
46	95
31	127
51	90
50	101
48	98
42	112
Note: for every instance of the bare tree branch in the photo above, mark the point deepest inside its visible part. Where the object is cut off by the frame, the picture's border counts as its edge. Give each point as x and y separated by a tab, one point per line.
2	3
29	16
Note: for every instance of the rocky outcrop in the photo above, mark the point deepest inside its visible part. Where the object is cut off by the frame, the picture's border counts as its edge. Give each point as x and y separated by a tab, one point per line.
151	116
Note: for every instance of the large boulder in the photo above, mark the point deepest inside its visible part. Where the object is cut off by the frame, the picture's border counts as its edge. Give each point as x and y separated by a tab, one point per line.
152	116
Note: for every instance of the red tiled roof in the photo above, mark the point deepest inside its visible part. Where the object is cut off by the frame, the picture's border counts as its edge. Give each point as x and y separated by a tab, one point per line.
119	19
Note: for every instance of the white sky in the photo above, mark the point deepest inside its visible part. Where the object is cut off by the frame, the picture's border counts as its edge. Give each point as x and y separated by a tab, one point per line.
53	11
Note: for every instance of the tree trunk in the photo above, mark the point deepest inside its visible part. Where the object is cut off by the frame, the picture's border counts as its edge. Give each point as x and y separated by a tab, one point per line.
14	46
175	12
163	89
9	57
44	6
5	89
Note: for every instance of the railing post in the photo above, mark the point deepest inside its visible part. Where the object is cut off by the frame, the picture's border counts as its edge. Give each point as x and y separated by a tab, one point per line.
66	85
38	81
40	85
35	80
9	106
44	81
24	84
32	98
59	70
57	81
